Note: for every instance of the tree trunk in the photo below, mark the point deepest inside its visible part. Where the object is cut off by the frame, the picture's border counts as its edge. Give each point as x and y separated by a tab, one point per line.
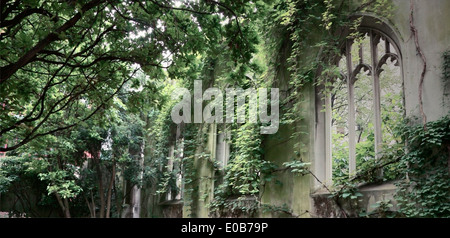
100	187
67	211
118	201
136	196
93	205
111	183
101	194
64	205
91	212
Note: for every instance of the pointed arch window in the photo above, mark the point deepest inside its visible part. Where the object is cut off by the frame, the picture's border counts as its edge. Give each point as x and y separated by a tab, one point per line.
364	104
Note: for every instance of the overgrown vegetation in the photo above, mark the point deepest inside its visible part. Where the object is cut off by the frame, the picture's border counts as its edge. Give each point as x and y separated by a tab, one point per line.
85	107
80	91
425	189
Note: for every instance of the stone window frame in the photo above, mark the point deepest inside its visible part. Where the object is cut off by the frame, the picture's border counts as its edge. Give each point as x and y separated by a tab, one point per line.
222	148
376	28
176	150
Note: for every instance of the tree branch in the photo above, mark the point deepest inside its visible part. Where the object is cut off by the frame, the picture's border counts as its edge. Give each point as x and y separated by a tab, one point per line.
335	199
7	10
27	12
233	13
9	70
30	136
414	34
174	8
41	100
97	60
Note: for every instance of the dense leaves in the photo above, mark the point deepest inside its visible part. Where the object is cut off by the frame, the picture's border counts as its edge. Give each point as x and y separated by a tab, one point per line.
426	191
85	104
63	61
82	81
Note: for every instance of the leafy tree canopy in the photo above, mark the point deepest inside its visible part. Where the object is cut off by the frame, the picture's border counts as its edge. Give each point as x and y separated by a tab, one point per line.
63	61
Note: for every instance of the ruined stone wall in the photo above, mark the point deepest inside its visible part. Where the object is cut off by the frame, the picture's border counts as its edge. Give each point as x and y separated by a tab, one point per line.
300	194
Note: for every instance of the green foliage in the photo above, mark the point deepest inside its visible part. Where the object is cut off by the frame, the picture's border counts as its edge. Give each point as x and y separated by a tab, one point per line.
425	192
421	171
60	182
242	175
291	32
63	62
75	163
381	209
19	175
11	170
297	167
243	171
347	190
105	81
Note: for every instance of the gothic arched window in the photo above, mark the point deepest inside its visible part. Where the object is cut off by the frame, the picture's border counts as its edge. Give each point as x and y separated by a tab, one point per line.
364	104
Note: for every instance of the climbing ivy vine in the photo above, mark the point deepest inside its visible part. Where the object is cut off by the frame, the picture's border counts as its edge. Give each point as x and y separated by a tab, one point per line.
424	190
262	40
289	43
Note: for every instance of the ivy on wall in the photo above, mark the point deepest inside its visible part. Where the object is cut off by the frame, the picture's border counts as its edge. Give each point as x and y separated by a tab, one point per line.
422	167
425	189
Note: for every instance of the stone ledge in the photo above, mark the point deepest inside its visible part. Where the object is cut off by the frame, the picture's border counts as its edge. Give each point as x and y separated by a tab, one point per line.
324	206
171	202
387	186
